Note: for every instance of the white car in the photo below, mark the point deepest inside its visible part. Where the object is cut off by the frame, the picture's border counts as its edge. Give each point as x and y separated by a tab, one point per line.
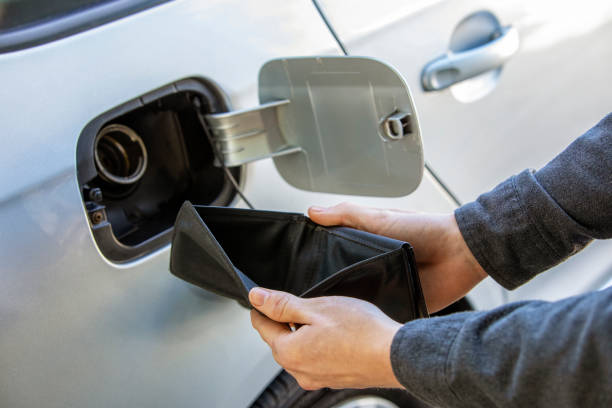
101	143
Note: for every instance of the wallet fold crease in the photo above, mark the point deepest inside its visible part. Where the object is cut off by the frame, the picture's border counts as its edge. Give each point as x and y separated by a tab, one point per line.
229	251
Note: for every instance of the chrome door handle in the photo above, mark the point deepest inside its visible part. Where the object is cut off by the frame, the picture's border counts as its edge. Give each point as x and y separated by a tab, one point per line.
456	67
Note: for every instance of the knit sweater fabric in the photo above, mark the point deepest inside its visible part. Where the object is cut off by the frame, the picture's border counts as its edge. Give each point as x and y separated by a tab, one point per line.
531	353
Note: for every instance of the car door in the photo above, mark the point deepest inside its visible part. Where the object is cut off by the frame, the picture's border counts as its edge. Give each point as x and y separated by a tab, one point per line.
540	64
80	327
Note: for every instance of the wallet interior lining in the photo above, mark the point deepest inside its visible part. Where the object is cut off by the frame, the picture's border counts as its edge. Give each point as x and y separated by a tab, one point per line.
285	255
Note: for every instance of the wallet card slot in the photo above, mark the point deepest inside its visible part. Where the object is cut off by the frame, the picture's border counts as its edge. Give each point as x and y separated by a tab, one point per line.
355	240
335	278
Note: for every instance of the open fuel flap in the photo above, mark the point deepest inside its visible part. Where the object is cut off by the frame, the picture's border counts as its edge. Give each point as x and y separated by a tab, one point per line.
331	124
344	125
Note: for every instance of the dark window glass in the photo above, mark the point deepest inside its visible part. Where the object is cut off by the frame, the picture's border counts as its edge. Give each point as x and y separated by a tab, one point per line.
26	23
16	14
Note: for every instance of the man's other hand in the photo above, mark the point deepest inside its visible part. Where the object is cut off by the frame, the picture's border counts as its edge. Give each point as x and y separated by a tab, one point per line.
340	342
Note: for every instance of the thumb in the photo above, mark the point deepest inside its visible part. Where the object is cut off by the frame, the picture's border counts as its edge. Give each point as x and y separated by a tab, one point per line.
348	215
280	306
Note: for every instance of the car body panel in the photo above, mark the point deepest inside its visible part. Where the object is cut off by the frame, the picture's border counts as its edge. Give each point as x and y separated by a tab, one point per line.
76	329
550	92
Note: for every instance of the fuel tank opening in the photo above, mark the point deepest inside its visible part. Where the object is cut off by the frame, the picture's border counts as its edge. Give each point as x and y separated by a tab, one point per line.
120	154
140	161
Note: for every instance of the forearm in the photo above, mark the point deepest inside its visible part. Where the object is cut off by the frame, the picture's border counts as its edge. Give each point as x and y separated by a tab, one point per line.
534	221
520	354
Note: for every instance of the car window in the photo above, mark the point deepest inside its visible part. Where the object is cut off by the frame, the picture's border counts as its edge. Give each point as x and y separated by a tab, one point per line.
25	23
16	14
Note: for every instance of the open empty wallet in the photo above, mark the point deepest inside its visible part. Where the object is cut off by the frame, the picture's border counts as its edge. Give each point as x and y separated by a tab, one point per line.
229	251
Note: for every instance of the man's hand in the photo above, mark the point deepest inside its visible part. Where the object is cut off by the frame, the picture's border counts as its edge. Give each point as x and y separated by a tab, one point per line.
447	268
340	342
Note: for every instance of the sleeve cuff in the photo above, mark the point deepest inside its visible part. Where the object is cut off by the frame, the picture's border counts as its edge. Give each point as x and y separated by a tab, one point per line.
517	230
419	354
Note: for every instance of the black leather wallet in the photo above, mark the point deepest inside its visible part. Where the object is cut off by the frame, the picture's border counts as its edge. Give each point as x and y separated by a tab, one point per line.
229	251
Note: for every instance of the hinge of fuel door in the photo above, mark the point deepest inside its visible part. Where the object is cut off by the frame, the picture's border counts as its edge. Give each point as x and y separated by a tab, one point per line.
251	134
341	125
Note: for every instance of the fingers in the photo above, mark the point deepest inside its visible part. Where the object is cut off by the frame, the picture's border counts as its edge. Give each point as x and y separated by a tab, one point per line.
281	306
340	214
269	330
349	215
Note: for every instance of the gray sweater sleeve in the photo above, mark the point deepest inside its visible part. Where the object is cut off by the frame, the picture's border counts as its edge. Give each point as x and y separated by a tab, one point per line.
527	353
535	220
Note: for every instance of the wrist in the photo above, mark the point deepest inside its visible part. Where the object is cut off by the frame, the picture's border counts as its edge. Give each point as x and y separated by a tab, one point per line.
447	268
464	254
388	379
